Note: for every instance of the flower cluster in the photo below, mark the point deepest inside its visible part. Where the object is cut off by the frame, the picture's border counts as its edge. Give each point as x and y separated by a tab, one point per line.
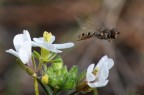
56	76
23	45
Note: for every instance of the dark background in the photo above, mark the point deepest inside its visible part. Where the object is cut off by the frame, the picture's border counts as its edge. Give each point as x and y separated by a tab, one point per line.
59	17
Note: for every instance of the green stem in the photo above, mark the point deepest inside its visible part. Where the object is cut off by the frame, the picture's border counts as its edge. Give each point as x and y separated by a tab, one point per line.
24	67
44	88
95	92
33	62
36	85
40	65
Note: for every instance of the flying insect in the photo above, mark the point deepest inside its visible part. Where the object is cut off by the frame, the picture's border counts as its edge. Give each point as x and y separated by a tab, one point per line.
104	34
92	25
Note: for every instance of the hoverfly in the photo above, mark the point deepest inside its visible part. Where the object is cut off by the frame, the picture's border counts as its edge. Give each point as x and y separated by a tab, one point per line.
101	33
106	34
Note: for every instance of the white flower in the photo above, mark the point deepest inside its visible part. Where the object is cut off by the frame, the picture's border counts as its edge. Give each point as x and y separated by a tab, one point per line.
46	42
97	77
22	44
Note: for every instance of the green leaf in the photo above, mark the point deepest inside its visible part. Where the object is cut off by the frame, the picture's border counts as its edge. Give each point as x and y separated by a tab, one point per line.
71	79
57	63
52	55
64	70
69	84
81	76
58	57
74	71
36	54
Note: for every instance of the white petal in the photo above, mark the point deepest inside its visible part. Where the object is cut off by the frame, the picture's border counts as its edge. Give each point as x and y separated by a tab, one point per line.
89	75
34	44
26	35
28	48
103	73
101	62
90	68
18	41
107	62
23	56
51	47
64	45
52	39
39	40
25	52
12	52
98	84
110	63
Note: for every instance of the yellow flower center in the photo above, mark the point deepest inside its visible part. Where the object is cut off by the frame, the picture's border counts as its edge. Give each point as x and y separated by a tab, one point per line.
95	71
47	36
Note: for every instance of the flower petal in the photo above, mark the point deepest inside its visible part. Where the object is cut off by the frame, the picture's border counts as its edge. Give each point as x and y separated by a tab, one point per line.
103	73
101	62
26	35
23	56
52	39
12	52
110	63
34	44
89	75
23	46
39	40
18	41
51	47
28	48
64	45
98	84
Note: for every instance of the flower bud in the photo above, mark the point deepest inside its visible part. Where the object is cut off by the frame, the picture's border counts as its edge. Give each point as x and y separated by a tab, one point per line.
44	79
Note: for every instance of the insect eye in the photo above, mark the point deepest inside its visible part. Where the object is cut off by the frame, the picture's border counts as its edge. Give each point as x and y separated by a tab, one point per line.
118	32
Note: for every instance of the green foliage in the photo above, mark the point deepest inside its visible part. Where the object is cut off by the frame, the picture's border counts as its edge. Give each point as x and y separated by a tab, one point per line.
52	55
44	54
36	54
60	78
81	76
71	79
57	63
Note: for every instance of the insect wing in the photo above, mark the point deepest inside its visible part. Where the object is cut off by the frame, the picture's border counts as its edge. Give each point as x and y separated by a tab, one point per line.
88	24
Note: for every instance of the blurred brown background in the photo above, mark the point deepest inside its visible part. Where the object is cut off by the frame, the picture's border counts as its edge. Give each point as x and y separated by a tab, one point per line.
59	17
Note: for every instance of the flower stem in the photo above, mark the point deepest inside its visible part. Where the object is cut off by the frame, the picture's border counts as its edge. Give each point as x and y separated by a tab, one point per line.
36	85
33	62
95	92
40	65
25	68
